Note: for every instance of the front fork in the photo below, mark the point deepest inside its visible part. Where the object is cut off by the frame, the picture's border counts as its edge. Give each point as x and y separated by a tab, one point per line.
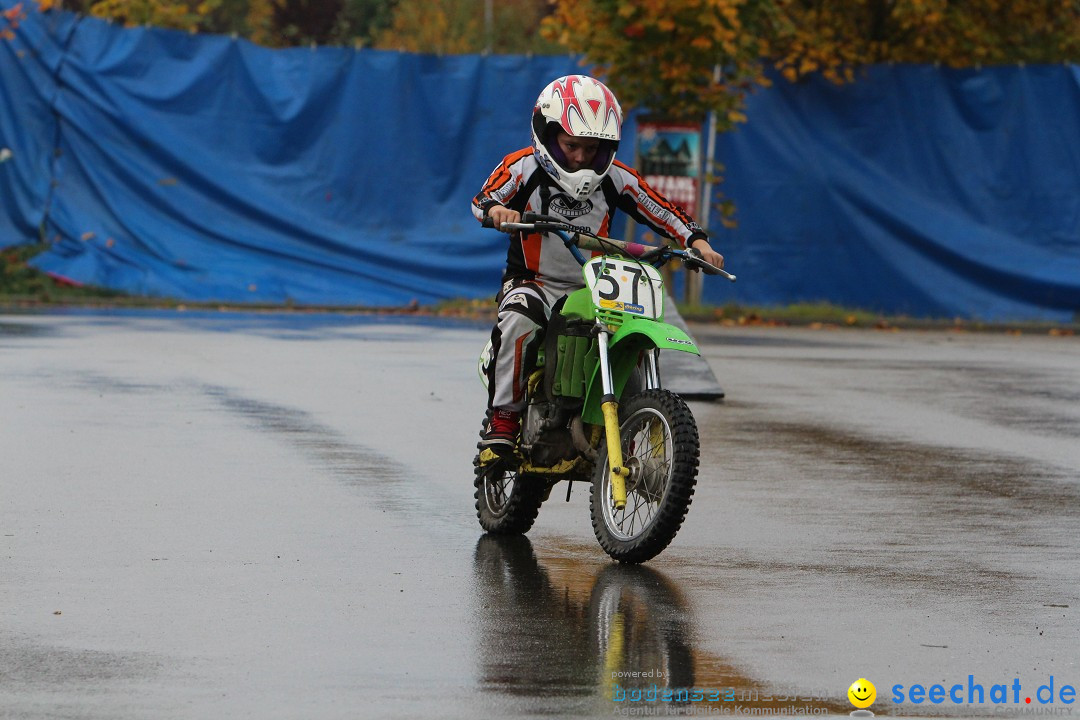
609	405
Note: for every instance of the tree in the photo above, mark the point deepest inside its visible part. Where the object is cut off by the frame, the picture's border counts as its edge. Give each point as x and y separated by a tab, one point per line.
681	58
834	37
284	23
228	18
361	21
303	22
441	26
662	53
189	15
459	26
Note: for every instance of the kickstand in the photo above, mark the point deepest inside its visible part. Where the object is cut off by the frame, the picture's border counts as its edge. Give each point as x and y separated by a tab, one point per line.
569	486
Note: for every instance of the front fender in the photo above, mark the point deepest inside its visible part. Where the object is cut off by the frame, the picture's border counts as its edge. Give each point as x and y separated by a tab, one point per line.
624	349
650	334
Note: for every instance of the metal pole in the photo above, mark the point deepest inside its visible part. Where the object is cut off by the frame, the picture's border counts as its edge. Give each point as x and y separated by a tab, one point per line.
694	280
489	25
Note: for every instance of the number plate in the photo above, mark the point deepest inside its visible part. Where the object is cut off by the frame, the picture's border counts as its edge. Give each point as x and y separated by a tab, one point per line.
624	286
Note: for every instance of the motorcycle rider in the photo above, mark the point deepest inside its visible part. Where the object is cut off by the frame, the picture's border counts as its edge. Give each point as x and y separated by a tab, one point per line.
570	171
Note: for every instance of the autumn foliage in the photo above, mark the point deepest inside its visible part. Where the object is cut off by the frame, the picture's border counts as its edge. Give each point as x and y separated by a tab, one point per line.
459	26
834	37
10	19
663	53
681	57
188	15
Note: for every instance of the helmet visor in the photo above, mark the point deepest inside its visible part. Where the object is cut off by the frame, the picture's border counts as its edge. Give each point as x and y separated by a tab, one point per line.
605	152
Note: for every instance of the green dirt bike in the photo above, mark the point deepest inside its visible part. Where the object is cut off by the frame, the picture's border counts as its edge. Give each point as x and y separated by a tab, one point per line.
596	412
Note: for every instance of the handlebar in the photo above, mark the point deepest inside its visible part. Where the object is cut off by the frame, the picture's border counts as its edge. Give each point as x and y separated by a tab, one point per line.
575	237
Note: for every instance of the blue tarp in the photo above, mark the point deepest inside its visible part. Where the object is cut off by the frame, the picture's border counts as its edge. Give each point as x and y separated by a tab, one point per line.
207	168
920	190
28	66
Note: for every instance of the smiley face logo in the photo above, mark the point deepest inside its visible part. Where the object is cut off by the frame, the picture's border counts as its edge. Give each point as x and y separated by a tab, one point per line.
862	693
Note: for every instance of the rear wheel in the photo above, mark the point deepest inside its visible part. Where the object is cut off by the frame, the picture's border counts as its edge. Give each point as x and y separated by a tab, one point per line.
506	504
660	448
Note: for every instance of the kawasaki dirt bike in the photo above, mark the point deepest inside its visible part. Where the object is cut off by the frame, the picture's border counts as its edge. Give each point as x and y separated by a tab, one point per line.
596	412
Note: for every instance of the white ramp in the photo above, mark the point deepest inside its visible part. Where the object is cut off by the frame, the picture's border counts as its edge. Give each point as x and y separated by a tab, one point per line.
686	374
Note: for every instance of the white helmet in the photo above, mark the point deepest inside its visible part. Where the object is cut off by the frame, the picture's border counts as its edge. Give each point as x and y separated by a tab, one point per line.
581	106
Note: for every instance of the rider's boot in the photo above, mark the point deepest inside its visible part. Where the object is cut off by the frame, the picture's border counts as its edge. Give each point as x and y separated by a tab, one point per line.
501	436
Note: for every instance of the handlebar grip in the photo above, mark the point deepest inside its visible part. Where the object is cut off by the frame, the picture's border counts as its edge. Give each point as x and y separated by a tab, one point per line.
713	270
697	263
488	222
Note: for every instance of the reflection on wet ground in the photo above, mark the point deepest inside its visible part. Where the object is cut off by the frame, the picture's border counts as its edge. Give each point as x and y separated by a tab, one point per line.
1041	400
901	508
615	636
937	516
350	462
948	479
566	628
711	335
920	496
22	662
22	330
283	325
51	677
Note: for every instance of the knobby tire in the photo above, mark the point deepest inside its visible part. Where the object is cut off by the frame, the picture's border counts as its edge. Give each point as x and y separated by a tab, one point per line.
505	503
655	510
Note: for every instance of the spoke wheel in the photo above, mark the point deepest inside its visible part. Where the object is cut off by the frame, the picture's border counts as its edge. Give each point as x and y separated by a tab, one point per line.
660	448
506	504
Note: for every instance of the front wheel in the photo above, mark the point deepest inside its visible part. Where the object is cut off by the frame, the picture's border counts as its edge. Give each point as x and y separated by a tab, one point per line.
660	448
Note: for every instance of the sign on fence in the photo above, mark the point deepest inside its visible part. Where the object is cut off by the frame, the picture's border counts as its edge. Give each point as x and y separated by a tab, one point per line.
669	157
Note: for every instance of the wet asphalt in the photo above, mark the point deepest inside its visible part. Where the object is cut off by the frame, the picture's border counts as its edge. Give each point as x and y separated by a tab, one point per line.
270	516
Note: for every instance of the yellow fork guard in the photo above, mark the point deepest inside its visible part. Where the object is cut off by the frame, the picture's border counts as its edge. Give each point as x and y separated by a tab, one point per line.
615	458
